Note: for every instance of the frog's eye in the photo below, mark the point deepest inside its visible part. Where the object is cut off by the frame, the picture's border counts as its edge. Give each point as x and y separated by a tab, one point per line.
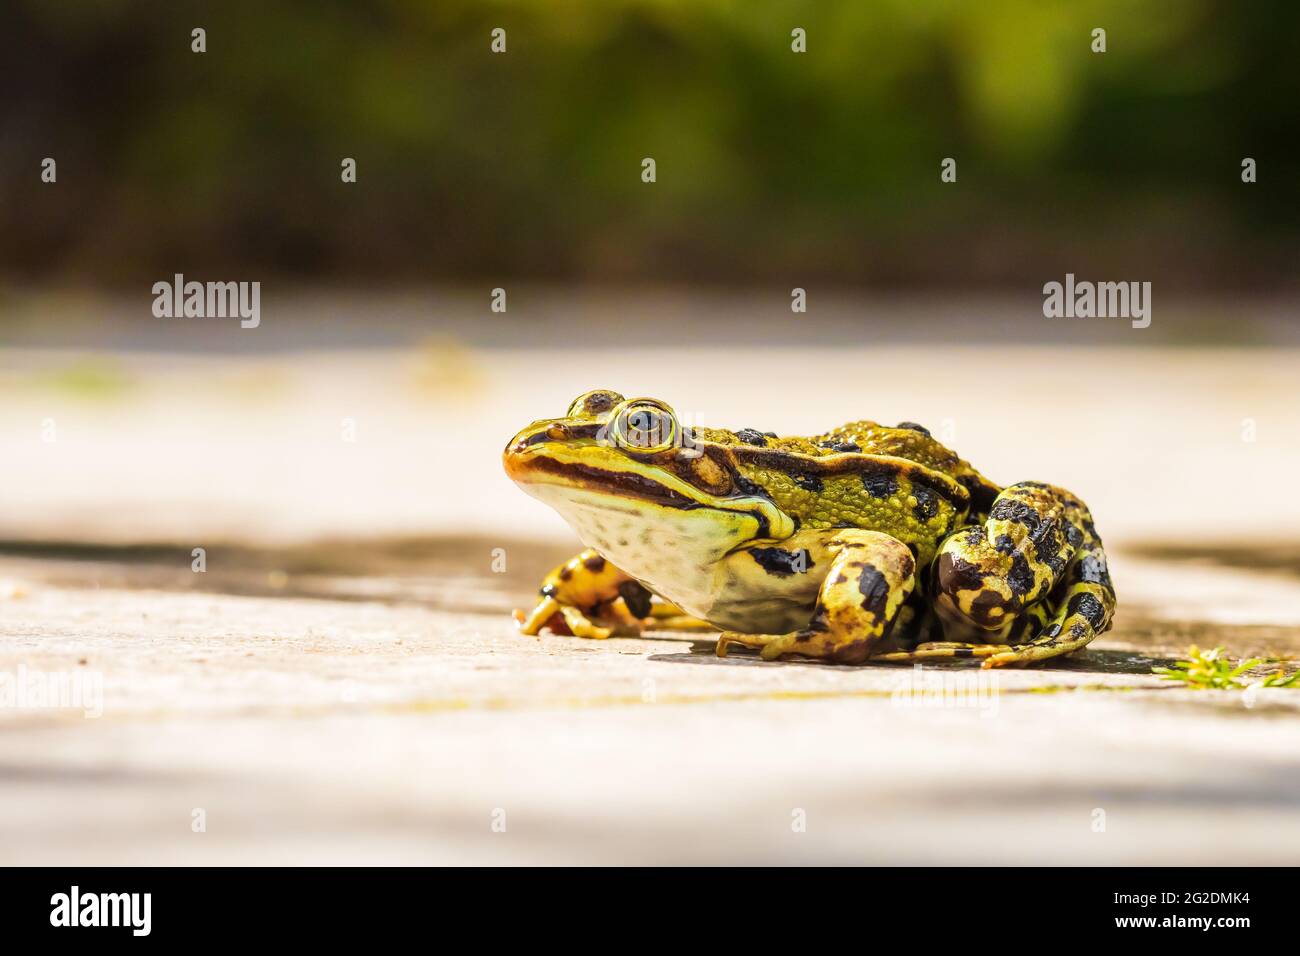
645	425
594	403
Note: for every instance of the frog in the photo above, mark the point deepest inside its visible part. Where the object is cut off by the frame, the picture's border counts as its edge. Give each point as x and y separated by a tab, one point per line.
868	543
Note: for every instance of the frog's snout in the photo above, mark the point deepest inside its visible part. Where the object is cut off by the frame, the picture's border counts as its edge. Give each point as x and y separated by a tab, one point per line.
536	435
525	447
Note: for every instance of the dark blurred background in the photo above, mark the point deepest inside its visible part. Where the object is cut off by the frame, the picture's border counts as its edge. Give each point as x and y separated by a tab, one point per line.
771	164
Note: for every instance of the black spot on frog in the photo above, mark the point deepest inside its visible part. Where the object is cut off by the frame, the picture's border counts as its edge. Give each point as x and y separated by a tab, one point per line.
927	503
749	487
1093	570
636	596
958	574
1009	509
874	589
1021	576
781	562
880	484
1088	608
808	482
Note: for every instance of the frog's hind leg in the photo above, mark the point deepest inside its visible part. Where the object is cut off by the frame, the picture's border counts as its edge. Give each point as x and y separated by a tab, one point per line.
857	606
1033	581
1084	613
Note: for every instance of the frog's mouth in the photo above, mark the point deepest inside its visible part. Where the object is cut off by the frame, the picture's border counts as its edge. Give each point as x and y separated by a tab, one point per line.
559	473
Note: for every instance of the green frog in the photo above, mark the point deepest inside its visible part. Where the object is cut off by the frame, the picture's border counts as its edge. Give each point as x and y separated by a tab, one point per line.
866	543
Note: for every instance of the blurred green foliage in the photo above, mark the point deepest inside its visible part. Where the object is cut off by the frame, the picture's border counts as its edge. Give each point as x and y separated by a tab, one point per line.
772	165
93	378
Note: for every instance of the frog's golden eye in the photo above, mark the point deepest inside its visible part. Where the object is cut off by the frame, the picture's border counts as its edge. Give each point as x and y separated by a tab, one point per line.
645	425
593	403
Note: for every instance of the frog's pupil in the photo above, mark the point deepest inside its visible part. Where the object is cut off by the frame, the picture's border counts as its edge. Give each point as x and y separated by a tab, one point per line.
646	429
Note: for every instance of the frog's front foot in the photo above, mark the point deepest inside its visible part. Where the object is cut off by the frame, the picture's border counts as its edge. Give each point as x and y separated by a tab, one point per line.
569	620
587	596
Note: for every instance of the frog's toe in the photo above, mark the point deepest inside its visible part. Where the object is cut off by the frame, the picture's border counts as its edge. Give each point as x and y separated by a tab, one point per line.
759	642
727	638
581	626
533	622
782	645
941	650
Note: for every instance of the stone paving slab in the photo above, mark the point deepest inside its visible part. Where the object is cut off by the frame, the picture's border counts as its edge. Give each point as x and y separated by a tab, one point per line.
319	730
343	684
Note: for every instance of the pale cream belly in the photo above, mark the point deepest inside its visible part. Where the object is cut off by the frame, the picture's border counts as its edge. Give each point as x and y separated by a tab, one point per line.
703	560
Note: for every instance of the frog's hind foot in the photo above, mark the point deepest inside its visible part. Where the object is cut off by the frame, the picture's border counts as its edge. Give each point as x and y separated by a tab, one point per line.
1084	612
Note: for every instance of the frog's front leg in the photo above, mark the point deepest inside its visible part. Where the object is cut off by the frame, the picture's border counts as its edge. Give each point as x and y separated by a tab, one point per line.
857	606
587	596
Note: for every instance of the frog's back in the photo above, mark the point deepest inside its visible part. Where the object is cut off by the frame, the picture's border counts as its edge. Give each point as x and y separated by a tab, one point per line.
912	442
900	480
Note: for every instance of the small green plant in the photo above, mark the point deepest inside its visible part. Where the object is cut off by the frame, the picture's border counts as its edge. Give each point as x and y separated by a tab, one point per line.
1214	670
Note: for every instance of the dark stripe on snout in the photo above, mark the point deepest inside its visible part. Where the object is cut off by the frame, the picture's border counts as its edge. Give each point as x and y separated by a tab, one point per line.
631	484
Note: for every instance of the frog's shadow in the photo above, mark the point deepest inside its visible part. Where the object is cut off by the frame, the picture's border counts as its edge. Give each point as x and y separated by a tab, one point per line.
1086	662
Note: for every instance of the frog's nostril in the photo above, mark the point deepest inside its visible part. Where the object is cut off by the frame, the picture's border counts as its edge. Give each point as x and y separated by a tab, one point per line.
536	438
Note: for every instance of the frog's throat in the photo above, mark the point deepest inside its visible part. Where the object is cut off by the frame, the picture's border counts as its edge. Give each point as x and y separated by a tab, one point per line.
536	470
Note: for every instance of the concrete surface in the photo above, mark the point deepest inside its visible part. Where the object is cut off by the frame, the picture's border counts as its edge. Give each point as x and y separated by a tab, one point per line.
343	683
